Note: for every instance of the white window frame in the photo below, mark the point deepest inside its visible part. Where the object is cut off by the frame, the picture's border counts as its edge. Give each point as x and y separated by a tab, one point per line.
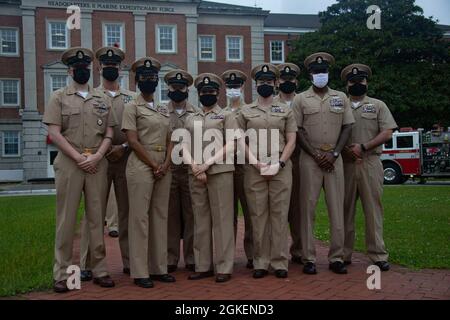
2	103
213	59
49	36
4	155
57	74
122	33
10	54
282	51
241	49
162	98
174	39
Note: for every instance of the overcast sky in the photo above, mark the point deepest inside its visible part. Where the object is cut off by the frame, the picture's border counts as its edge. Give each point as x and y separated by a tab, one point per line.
440	9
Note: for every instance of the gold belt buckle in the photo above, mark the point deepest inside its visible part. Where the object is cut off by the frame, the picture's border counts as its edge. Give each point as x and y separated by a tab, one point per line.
326	147
87	151
159	148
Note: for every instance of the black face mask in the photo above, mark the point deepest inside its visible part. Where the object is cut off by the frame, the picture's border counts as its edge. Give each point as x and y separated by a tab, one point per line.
265	90
357	90
208	100
147	86
288	87
110	73
81	75
177	96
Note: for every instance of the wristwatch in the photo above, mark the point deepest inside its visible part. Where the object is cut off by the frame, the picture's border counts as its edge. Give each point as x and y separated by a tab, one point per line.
336	154
363	147
282	164
125	146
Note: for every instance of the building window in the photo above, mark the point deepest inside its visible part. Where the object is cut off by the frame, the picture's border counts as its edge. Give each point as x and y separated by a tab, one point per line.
9	43
207	48
58	35
113	35
58	82
277	51
163	91
10	92
11	144
166	39
234	48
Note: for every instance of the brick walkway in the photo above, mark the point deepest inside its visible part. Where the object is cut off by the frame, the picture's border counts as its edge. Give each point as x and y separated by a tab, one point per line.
399	283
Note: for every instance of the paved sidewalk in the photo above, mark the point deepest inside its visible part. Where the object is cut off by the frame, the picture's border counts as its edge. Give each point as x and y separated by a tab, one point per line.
399	283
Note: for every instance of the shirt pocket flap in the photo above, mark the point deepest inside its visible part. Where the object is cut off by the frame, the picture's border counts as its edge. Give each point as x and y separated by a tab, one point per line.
311	110
254	115
337	110
67	111
369	116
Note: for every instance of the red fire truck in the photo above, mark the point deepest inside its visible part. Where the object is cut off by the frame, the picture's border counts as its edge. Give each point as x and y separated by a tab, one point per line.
415	153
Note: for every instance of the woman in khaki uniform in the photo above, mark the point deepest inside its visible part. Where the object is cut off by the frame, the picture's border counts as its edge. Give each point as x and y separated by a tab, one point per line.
234	82
211	184
147	126
268	183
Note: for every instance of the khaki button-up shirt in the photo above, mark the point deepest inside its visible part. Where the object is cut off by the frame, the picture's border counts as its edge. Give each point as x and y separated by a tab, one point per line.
150	120
118	102
218	119
83	121
279	117
322	118
372	116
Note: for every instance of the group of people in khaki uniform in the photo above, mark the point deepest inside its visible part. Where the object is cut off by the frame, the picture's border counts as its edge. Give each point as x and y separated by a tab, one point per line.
110	136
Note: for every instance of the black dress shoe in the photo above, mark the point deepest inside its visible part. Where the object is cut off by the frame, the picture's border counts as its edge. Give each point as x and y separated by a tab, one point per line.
126	270
338	267
297	260
383	265
162	277
260	273
310	268
348	262
60	286
143	282
281	273
249	264
201	275
113	234
223	277
104	282
86	275
171	268
190	267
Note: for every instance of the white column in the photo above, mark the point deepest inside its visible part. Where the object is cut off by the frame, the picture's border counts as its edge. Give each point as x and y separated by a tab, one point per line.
257	32
86	36
140	41
192	53
29	58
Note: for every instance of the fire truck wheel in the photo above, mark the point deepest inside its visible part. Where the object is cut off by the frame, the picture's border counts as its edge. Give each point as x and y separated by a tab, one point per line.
392	173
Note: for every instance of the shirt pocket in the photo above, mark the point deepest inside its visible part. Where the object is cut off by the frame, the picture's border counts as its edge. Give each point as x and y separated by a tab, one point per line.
278	121
71	117
311	116
369	121
337	115
254	121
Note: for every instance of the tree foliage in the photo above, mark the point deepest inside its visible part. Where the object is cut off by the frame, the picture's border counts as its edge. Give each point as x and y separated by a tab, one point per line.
408	56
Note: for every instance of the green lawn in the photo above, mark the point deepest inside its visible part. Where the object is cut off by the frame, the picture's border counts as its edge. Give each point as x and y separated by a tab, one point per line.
417	234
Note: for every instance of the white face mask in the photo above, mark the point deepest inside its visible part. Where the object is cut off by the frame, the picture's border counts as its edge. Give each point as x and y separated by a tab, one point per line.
320	80
234	93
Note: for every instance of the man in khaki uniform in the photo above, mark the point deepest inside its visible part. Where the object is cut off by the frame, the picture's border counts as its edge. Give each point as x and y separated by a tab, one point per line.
110	59
211	185
80	122
269	194
288	84
180	223
363	169
234	81
324	119
147	126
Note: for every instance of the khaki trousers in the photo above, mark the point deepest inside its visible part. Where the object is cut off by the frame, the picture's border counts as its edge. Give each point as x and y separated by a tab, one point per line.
313	179
268	202
71	182
147	227
364	180
294	209
213	222
181	219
